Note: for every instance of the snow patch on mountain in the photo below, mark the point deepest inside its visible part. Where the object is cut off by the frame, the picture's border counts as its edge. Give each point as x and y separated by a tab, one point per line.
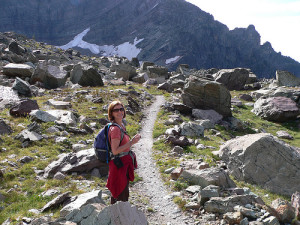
154	6
127	49
172	60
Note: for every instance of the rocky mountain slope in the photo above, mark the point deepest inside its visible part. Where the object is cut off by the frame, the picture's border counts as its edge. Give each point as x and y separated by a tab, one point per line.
227	157
166	32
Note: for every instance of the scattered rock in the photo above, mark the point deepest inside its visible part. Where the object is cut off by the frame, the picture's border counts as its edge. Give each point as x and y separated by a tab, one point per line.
182	108
208	192
191	129
207	177
210	114
27	135
59	104
59	200
80	201
233	217
205	94
278	109
246	97
58	116
233	79
284	135
23	108
175	174
22	70
264	160
285	78
22	87
82	161
181	141
4	128
165	86
227	204
121	213
295	201
50	74
85	75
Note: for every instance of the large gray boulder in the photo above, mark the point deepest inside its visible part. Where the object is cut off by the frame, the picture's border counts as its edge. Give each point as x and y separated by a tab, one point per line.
125	71
233	79
289	92
58	116
51	75
8	97
22	87
59	104
82	161
191	129
208	176
206	94
121	213
278	109
224	205
159	73
209	114
264	160
20	70
140	78
182	108
27	135
177	81
56	202
295	201
145	64
23	108
165	86
16	48
4	128
85	75
285	78
82	200
251	79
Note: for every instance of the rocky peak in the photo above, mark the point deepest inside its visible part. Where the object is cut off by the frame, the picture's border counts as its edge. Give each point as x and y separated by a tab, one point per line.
166	32
248	36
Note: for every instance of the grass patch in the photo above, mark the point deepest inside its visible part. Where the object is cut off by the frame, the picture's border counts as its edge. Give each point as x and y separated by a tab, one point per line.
149	209
20	185
180	202
213	139
180	185
137	178
267	196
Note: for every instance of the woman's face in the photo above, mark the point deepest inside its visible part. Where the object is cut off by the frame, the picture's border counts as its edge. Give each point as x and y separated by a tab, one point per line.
118	112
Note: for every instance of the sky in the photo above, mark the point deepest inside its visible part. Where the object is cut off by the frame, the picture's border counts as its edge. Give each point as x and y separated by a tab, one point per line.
277	21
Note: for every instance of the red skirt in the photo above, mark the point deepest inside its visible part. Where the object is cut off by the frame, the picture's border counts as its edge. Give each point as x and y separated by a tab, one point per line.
118	178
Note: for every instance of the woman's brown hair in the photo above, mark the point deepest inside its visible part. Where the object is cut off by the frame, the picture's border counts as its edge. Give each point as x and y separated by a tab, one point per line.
111	107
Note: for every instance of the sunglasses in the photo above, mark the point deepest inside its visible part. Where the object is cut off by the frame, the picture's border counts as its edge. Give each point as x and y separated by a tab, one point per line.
117	110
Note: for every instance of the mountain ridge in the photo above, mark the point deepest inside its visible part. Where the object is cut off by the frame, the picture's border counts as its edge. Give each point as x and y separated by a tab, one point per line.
169	29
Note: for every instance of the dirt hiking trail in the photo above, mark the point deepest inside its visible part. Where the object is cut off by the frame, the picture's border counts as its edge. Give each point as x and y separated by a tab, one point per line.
152	188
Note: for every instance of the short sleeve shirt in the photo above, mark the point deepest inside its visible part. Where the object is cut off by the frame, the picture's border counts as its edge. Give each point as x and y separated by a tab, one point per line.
115	133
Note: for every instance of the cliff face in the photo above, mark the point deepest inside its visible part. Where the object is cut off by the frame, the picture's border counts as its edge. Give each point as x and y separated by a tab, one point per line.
169	28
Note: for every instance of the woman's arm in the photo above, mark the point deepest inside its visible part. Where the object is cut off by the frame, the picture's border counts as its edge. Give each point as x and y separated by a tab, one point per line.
117	149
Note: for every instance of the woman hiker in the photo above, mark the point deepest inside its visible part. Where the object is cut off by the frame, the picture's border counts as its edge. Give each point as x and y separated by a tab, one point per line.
123	162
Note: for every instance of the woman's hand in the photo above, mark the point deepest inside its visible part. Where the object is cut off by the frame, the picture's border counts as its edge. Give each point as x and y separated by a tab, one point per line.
135	139
116	148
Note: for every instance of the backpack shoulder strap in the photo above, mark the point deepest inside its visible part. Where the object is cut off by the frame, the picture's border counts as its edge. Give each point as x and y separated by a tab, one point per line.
121	129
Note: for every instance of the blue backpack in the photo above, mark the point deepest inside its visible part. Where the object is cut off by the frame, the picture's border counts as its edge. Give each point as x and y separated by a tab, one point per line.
102	145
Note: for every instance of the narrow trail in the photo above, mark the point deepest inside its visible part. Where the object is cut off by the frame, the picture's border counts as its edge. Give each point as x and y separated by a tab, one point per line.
152	186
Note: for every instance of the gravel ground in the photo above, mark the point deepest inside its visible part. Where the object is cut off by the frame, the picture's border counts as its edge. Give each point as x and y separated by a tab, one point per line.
151	195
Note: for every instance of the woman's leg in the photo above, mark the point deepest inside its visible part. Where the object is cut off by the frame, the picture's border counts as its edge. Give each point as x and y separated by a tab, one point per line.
122	197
